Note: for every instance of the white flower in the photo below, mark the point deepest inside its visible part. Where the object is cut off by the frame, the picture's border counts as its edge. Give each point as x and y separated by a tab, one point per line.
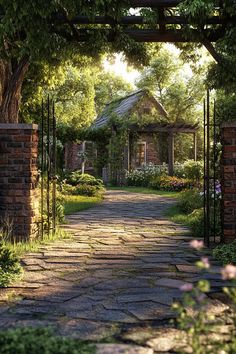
229	272
197	244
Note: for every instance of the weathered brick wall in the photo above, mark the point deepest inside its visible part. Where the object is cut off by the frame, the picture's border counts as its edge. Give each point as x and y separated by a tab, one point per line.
152	154
19	197
229	180
152	149
72	161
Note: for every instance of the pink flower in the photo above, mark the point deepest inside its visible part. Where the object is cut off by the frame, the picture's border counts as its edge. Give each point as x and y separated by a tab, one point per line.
196	244
201	297
205	262
228	272
186	287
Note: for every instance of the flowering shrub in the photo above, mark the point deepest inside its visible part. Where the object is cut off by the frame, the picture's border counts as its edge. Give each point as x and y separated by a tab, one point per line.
143	176
190	169
194	318
150	176
169	183
90	191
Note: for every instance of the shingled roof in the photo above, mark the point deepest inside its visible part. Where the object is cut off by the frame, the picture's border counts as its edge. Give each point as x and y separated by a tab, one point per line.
124	106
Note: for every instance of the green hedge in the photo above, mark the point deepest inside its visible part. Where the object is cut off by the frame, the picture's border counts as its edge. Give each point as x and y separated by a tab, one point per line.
190	200
10	268
226	254
40	341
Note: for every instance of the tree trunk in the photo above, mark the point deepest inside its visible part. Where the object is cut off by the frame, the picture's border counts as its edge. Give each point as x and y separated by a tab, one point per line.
11	78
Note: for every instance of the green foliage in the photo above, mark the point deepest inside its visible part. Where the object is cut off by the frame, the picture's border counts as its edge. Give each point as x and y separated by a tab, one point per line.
60	216
76	203
60	212
89	190
190	200
178	92
225	106
82	184
190	169
226	254
198	10
169	183
54	39
21	248
40	341
109	87
76	178
193	320
221	75
10	268
146	190
189	211
200	327
195	221
67	189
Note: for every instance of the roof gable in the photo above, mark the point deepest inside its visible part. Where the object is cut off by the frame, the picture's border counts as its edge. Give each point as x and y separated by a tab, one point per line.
124	106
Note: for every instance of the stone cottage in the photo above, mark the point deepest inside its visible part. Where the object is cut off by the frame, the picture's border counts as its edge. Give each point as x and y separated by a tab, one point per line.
149	138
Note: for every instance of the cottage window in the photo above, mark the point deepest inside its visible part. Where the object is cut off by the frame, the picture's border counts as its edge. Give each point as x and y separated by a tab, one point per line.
141	153
147	110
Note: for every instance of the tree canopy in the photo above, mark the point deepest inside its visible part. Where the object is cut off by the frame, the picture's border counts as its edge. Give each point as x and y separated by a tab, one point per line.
48	32
32	32
181	94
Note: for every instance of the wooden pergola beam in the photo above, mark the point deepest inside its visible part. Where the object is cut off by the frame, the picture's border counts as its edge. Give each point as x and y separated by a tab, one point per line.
171	153
172	36
154	3
155	128
144	35
134	20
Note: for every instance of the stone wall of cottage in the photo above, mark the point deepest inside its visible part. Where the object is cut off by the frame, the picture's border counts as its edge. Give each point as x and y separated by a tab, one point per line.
72	161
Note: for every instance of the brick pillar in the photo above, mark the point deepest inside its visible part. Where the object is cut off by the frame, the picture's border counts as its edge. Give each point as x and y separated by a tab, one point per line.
229	181
19	197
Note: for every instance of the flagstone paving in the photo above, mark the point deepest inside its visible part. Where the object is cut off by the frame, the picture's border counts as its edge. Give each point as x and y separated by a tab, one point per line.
122	269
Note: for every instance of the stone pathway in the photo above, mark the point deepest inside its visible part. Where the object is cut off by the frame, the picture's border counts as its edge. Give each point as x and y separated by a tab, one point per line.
122	270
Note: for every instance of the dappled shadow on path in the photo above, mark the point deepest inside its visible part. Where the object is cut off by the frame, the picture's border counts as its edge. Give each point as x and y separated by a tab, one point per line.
123	267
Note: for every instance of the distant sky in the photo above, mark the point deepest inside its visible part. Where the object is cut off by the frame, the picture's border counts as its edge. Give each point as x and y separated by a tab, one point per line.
120	67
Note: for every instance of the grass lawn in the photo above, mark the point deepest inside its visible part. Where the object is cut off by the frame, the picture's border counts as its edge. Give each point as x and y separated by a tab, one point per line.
146	191
34	245
176	215
72	205
75	203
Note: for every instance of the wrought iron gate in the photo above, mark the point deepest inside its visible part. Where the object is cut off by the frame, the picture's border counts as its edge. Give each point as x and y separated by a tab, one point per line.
212	175
48	167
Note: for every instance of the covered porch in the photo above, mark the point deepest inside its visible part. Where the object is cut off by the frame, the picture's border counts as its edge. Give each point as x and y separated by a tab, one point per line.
171	130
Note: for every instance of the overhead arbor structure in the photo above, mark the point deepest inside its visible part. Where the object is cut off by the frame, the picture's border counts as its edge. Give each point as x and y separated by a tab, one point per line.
163	24
51	32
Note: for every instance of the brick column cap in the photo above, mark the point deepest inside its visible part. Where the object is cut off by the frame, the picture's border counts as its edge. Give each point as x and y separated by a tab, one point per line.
21	126
228	125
